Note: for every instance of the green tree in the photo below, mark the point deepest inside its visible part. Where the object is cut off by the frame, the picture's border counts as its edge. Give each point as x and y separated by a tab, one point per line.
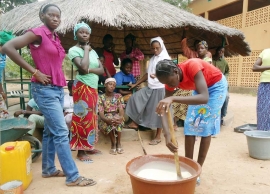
7	5
183	4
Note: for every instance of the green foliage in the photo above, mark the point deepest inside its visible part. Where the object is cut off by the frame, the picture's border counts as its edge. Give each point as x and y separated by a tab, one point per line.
7	5
183	4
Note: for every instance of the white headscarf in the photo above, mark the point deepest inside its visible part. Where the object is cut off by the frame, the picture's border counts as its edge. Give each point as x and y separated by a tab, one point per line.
164	54
154	83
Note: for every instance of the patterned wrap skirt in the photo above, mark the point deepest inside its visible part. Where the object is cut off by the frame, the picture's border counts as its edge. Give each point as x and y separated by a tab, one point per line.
84	127
204	120
263	107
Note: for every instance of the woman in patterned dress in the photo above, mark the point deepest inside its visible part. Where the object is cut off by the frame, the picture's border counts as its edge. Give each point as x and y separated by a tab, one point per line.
85	96
111	112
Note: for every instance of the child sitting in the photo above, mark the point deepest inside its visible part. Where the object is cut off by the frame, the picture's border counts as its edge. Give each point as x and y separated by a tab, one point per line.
124	77
111	112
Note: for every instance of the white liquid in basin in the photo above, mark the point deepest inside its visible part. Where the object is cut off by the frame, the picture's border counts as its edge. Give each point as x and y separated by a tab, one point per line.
160	171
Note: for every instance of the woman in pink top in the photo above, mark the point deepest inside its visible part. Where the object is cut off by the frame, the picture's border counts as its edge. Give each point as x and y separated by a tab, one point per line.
47	89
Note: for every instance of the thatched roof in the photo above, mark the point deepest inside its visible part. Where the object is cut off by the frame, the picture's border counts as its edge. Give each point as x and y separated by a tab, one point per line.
143	18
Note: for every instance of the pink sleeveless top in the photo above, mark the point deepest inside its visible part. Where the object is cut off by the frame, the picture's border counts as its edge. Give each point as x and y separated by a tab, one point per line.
48	56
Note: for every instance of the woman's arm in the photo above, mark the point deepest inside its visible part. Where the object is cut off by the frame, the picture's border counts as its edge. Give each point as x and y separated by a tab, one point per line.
257	67
29	110
187	52
11	47
124	92
98	71
143	79
107	72
83	63
115	57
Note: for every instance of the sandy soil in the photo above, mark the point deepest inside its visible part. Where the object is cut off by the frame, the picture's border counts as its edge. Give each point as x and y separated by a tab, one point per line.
228	168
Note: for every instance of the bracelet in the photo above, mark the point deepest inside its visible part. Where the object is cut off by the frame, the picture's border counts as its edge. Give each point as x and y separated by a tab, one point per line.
35	72
23	111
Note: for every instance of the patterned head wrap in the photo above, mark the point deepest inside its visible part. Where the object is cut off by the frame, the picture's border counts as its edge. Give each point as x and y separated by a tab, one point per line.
80	25
110	80
5	36
204	43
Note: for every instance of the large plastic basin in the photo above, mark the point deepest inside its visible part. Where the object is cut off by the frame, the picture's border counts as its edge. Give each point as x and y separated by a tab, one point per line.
146	186
258	144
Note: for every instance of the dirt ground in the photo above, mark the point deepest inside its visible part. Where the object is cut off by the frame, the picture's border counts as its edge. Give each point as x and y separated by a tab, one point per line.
228	168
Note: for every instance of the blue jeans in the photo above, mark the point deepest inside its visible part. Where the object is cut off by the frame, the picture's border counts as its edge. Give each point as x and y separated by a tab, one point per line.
55	135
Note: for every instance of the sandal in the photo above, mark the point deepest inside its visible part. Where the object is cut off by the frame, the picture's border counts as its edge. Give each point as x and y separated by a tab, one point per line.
154	142
129	127
82	182
120	150
113	151
57	173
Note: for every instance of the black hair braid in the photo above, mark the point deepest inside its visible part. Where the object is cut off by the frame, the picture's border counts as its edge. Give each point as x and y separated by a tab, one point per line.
165	68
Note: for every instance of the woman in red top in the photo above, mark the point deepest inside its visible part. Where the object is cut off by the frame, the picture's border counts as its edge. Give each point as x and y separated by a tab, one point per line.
203	116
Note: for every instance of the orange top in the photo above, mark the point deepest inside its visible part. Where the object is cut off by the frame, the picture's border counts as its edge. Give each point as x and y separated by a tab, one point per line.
191	67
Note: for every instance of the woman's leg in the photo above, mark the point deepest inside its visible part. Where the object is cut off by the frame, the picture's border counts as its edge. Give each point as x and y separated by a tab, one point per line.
55	137
113	143
118	144
189	146
157	138
204	146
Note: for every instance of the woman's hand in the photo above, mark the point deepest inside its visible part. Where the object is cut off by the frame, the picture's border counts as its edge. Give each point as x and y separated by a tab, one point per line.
86	47
164	106
18	113
110	121
153	76
42	78
173	148
132	86
118	120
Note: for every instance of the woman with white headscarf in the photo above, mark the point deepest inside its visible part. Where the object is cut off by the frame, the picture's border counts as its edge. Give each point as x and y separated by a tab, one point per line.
141	106
84	126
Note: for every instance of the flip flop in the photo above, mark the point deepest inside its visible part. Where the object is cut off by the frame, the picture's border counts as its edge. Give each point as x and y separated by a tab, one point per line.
85	159
120	150
57	173
82	182
113	151
128	127
154	142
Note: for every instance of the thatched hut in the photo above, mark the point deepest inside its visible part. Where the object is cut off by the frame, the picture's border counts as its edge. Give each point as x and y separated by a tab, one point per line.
143	18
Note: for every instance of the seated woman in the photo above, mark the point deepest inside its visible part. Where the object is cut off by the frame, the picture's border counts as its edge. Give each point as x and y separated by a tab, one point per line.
111	112
124	77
